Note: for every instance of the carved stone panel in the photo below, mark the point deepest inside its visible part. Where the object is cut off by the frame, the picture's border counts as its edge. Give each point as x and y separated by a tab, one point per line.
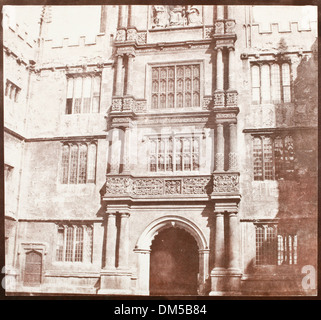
148	186
195	185
173	186
225	183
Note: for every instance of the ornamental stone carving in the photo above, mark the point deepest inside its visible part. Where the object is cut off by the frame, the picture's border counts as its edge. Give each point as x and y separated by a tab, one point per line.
173	186
117	104
219	99
219	27
225	183
118	186
141	37
120	36
230	26
140	106
195	185
128	104
175	15
131	35
156	186
208	32
148	186
231	99
206	103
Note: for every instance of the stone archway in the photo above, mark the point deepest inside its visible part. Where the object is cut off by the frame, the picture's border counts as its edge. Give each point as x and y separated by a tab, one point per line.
143	249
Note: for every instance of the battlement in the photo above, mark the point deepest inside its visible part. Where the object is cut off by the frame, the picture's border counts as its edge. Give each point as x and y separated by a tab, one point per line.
17	39
19	30
293	34
80	42
291	27
83	49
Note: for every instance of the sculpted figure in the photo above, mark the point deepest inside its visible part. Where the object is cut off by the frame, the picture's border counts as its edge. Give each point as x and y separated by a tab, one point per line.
161	18
194	18
177	16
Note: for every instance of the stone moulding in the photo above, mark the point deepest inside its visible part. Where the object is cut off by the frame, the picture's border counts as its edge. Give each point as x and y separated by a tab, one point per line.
157	186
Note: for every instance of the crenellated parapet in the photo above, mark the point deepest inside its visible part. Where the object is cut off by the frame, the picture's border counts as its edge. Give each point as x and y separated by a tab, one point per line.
17	41
296	35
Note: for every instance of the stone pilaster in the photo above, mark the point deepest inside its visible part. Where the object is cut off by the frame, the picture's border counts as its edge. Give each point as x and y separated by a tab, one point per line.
233	147
114	155
119	76
220	12
126	150
219	156
123	241
219	70
110	255
129	84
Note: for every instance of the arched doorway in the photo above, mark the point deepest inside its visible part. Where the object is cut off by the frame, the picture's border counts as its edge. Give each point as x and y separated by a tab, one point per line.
33	269
174	263
144	248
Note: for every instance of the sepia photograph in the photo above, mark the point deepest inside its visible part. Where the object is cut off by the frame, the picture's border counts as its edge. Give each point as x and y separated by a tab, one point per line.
160	150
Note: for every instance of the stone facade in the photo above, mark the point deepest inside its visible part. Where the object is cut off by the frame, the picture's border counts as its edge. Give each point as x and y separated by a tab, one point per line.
176	141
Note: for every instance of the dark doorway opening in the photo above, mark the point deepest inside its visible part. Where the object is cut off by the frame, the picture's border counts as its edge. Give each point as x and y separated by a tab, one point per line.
174	263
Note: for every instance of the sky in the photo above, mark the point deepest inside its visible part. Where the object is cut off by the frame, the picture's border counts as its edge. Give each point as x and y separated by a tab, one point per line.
69	21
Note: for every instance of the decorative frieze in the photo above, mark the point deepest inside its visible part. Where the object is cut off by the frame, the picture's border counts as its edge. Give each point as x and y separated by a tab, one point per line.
226	182
231	98
157	186
121	35
173	186
219	99
141	37
208	32
140	106
147	186
131	35
230	26
206	103
118	185
222	27
117	104
128	104
196	185
219	27
225	99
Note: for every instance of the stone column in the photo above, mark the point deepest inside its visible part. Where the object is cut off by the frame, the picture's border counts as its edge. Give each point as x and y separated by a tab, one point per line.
233	147
110	258
131	17
103	19
233	263
126	150
123	241
119	75
219	70
230	12
231	71
220	12
219	157
219	242
129	84
121	17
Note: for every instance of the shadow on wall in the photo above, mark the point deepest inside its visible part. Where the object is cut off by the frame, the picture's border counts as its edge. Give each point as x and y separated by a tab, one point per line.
297	189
